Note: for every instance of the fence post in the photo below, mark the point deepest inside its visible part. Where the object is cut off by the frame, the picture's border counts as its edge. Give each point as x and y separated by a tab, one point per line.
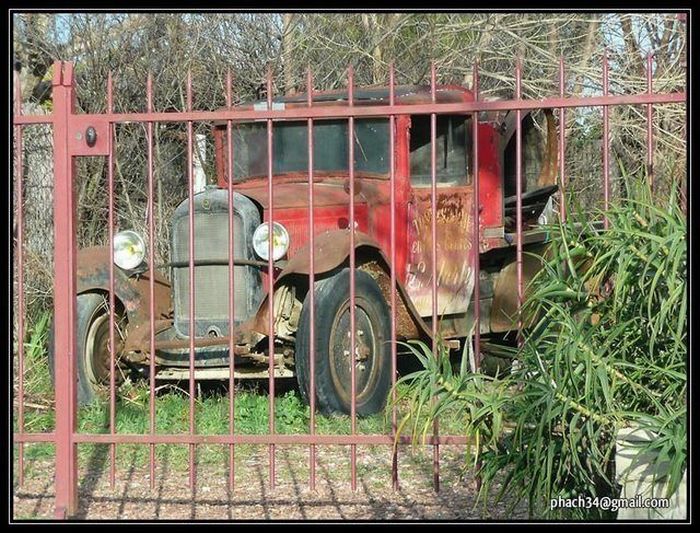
64	294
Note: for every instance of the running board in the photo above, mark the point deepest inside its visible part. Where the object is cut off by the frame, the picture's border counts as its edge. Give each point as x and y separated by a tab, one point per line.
183	374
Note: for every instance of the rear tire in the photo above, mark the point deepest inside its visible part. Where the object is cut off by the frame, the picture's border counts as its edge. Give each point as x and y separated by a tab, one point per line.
332	345
93	358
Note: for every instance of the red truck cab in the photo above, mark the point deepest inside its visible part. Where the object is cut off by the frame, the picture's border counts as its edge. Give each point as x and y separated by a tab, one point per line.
412	156
241	201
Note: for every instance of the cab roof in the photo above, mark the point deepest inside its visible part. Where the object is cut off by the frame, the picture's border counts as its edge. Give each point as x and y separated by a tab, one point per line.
379	95
366	96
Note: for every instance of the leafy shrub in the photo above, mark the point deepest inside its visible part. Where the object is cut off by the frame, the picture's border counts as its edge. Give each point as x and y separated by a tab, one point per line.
606	348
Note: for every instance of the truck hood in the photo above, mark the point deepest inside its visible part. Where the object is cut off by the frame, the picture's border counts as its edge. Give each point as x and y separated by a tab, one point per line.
294	193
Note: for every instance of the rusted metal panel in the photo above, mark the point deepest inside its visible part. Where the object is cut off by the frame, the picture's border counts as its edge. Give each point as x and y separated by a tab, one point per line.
138	337
454	248
93	268
332	249
505	305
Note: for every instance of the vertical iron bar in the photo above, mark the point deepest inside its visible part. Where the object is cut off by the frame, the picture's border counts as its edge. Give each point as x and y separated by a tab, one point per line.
562	145
433	222
151	284
231	364
112	319
312	280
353	377
519	195
19	170
64	294
606	140
650	131
392	193
476	243
190	181
271	282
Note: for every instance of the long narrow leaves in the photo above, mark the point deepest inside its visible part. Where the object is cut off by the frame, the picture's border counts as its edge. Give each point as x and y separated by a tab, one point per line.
605	349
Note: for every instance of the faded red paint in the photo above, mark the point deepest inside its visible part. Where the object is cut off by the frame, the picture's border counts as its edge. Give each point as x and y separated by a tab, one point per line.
373	208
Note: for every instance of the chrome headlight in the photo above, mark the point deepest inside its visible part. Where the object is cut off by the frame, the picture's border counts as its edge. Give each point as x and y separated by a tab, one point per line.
129	250
280	241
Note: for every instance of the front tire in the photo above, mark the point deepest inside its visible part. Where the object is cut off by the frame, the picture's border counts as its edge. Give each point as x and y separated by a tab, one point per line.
332	346
93	357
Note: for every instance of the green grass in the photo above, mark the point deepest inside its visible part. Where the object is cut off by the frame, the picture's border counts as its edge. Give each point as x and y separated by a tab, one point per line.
211	411
172	411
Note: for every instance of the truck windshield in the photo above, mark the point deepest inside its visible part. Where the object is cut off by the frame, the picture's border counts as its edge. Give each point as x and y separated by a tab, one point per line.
290	148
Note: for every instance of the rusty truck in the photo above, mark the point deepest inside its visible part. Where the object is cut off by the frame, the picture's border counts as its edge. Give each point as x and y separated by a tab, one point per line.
234	245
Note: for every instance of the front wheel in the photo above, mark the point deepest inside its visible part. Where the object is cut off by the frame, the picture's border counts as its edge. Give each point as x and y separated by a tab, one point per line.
333	360
93	356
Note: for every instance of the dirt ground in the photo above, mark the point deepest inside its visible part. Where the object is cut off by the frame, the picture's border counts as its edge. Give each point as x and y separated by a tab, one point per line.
253	499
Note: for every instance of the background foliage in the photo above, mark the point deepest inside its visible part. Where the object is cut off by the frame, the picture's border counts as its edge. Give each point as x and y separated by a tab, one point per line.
209	45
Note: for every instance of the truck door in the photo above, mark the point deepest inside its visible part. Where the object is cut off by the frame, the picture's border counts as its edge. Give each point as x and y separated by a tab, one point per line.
453	219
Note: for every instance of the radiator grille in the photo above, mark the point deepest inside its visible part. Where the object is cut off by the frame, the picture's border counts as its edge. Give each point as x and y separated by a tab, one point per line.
211	310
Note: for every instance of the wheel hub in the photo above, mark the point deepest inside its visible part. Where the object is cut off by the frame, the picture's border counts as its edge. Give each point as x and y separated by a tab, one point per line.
98	350
363	358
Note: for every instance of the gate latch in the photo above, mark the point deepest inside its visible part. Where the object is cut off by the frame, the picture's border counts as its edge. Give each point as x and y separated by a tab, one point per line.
89	135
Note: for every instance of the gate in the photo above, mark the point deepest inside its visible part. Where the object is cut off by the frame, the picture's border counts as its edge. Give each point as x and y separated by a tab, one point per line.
84	135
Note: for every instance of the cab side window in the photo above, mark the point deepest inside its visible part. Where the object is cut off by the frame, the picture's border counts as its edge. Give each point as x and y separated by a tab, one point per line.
452	150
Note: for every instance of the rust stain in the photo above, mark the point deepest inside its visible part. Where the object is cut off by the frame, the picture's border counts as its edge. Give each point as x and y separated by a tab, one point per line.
139	335
332	249
454	250
407	325
133	292
238	349
504	309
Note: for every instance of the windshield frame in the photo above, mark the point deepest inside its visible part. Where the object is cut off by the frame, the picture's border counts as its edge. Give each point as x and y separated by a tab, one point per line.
220	133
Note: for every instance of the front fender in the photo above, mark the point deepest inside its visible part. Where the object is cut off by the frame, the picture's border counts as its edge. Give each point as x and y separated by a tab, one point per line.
331	250
504	307
133	292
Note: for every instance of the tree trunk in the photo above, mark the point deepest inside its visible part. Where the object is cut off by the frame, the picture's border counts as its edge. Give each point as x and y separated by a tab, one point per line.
38	206
374	33
287	46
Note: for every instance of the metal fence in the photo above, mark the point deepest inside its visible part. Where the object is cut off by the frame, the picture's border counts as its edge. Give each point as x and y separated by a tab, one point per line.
84	135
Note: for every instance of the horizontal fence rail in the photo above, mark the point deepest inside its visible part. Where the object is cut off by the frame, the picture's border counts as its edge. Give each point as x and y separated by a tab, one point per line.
376	111
81	135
